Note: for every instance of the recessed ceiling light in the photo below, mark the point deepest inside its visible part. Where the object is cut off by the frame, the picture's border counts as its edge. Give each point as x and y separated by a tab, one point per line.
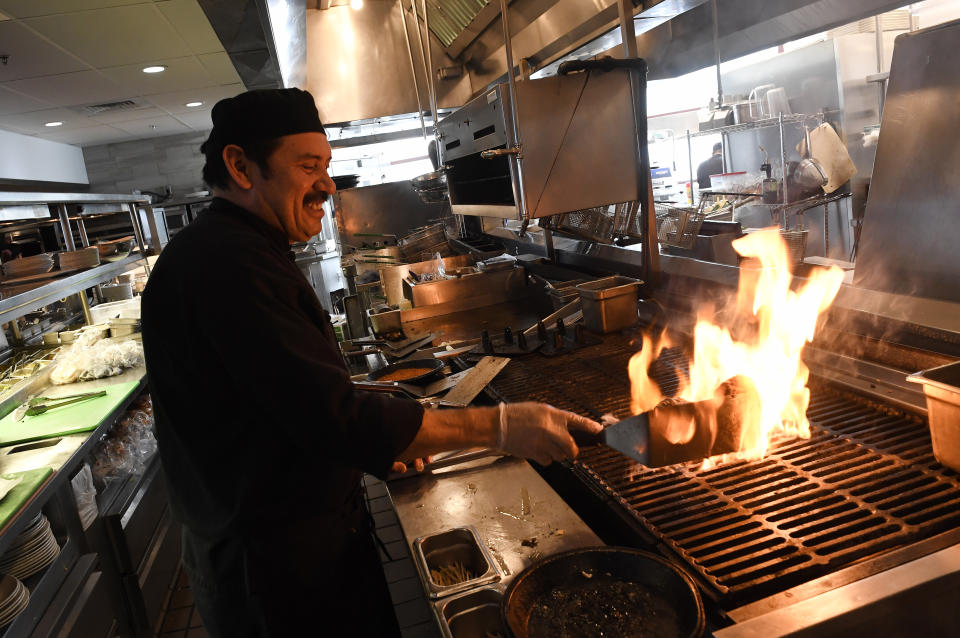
356	5
154	69
191	105
53	123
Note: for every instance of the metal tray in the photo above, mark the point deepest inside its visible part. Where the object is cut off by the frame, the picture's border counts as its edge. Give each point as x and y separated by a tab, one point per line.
474	613
941	386
460	544
609	304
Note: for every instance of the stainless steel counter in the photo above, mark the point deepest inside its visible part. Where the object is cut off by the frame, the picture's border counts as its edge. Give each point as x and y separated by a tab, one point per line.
504	498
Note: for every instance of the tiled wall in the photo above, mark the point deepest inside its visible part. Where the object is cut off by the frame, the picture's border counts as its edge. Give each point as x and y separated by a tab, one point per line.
150	164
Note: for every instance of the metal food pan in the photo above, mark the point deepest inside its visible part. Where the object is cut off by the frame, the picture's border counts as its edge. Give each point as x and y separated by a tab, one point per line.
468	612
941	386
457	545
609	304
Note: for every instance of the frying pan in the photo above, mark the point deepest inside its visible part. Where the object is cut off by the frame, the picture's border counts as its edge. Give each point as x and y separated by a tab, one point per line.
650	573
435	365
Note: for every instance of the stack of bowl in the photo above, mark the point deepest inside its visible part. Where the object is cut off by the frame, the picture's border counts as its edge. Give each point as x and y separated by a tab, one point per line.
115	249
14	598
31	551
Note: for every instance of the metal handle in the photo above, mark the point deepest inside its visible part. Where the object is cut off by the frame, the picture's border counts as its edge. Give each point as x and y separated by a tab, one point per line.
498	152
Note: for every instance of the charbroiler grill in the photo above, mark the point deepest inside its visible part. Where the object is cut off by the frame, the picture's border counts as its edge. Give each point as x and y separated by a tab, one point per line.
860	513
862	494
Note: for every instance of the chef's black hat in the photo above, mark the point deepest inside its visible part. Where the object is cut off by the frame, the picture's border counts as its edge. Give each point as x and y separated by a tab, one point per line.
253	118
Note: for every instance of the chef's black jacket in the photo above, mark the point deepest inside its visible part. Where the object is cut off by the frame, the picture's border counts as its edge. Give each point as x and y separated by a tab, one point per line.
262	437
711	166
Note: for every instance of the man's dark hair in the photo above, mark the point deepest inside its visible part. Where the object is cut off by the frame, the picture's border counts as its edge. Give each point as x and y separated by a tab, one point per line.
215	172
716	149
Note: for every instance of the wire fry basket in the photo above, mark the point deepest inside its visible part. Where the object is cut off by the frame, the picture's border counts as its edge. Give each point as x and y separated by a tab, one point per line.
678	225
602	223
796	240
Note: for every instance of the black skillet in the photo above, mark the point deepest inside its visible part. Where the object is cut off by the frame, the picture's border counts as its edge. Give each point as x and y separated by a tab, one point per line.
648	573
434	365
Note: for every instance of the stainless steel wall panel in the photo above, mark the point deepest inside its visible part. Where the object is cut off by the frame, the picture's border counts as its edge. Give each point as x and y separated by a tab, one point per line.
910	232
596	162
392	208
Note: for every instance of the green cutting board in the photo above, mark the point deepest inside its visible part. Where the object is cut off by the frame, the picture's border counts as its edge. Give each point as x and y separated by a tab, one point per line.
15	498
70	419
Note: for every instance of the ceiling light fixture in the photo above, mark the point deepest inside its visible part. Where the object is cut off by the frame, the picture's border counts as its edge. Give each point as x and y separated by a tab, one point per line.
53	123
154	69
356	5
191	105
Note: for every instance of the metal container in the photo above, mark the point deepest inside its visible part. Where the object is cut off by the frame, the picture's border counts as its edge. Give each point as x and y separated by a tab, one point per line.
486	288
472	613
941	386
391	277
458	545
609	304
384	322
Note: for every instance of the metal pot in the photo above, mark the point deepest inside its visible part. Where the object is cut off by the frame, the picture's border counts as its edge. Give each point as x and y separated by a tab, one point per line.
437	180
652	577
809	175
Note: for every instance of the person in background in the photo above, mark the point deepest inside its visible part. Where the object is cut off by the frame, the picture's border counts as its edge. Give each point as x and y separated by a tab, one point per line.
8	249
262	436
711	166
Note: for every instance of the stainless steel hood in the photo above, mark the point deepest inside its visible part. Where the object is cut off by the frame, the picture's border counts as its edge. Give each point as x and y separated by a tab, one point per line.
674	36
358	64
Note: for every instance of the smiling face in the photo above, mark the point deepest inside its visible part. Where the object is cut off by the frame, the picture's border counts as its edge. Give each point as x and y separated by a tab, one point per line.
291	192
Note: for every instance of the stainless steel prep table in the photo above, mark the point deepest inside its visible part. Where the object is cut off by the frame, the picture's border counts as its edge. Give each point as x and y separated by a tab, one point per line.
504	498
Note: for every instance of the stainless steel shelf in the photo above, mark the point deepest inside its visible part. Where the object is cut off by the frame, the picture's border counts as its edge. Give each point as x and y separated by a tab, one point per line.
14	198
21	304
767	123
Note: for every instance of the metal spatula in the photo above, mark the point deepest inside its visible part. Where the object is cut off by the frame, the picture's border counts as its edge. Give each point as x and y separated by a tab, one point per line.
642	437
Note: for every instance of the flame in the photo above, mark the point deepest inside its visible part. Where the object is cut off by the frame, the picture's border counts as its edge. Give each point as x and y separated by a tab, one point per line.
747	373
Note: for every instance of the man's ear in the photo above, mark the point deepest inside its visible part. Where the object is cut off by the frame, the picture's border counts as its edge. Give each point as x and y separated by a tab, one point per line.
237	165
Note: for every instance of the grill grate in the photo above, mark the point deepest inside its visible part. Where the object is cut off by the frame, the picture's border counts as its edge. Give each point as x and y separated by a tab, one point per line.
865	482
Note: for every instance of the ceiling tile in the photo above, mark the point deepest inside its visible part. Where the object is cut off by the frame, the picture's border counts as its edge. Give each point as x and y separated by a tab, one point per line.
12	102
165	125
104	37
191	23
31	8
68	89
34	121
198	121
176	101
126	115
220	67
181	74
88	136
31	55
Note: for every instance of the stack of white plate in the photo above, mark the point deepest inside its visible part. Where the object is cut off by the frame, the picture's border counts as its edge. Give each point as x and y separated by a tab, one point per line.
77	259
14	598
31	551
25	266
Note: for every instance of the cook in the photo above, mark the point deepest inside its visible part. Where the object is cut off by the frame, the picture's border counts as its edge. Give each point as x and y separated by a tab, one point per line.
262	436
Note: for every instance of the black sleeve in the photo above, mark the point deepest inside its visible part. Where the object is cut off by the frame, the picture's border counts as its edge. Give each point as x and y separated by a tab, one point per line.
282	362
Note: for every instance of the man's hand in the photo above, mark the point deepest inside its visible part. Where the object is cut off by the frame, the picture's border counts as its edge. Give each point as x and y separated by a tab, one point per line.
541	432
399	467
